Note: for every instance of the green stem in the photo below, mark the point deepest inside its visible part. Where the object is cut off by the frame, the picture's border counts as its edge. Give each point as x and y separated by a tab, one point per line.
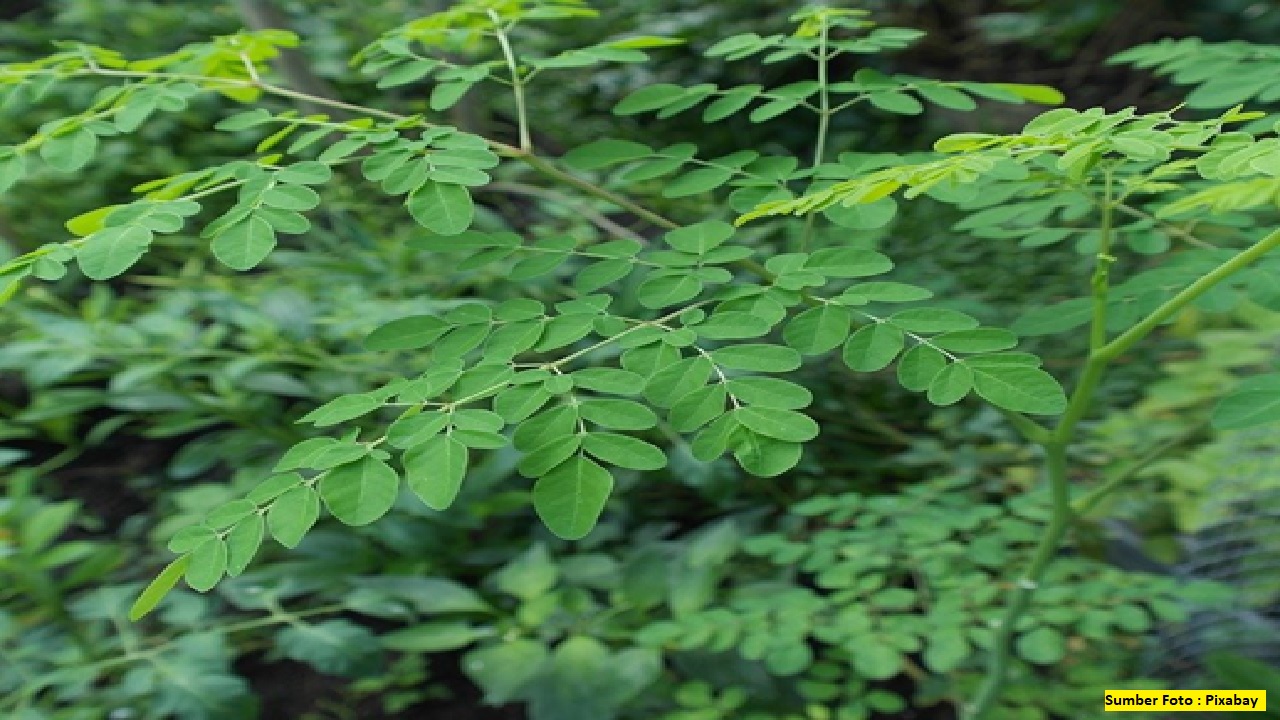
1193	291
1063	513
1059	522
1102	271
517	82
824	123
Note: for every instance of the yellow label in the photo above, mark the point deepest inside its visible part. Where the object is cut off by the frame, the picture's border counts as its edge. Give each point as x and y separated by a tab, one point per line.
1185	700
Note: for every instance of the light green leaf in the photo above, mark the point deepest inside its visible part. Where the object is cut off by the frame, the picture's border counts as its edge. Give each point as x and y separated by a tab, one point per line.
549	455
208	563
932	320
360	492
896	102
698	181
503	670
433	637
158	588
110	251
442	208
624	451
890	292
71	151
659	291
1255	401
12	169
764	456
919	366
950	385
307	172
733	325
700	238
606	152
873	347
1043	646
570	498
343	408
818	330
874	659
88	223
730	102
863	216
649	98
245	244
407	333
757	358
787	425
770	392
1019	388
447	94
947	97
529	575
699	408
1039	94
977	340
614	381
333	647
243	542
435	469
1057	318
618	414
292	515
517	403
298	198
847	262
946	650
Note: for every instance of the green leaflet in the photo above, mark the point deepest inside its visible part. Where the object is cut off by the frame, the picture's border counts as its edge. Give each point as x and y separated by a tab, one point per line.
919	366
1255	401
786	425
765	456
873	347
408	333
245	244
71	151
158	588
618	414
951	384
293	514
1043	646
570	498
243	542
110	251
442	208
603	153
1018	388
818	330
435	469
341	409
502	670
360	492
624	451
208	564
757	357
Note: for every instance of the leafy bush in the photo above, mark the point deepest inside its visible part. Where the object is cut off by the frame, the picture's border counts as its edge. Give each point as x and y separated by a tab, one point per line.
654	311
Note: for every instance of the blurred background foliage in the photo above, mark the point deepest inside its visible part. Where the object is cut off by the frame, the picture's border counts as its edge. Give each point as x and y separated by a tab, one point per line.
128	408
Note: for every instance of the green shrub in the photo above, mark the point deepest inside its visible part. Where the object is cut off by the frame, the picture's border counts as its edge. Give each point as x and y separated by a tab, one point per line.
657	310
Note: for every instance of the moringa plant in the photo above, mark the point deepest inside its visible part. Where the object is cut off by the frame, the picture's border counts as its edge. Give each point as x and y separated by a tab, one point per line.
699	287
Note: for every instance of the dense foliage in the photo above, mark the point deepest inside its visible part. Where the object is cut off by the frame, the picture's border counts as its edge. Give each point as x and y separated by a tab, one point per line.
690	389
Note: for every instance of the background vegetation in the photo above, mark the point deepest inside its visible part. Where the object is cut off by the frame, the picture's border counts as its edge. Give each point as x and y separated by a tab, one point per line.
860	583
